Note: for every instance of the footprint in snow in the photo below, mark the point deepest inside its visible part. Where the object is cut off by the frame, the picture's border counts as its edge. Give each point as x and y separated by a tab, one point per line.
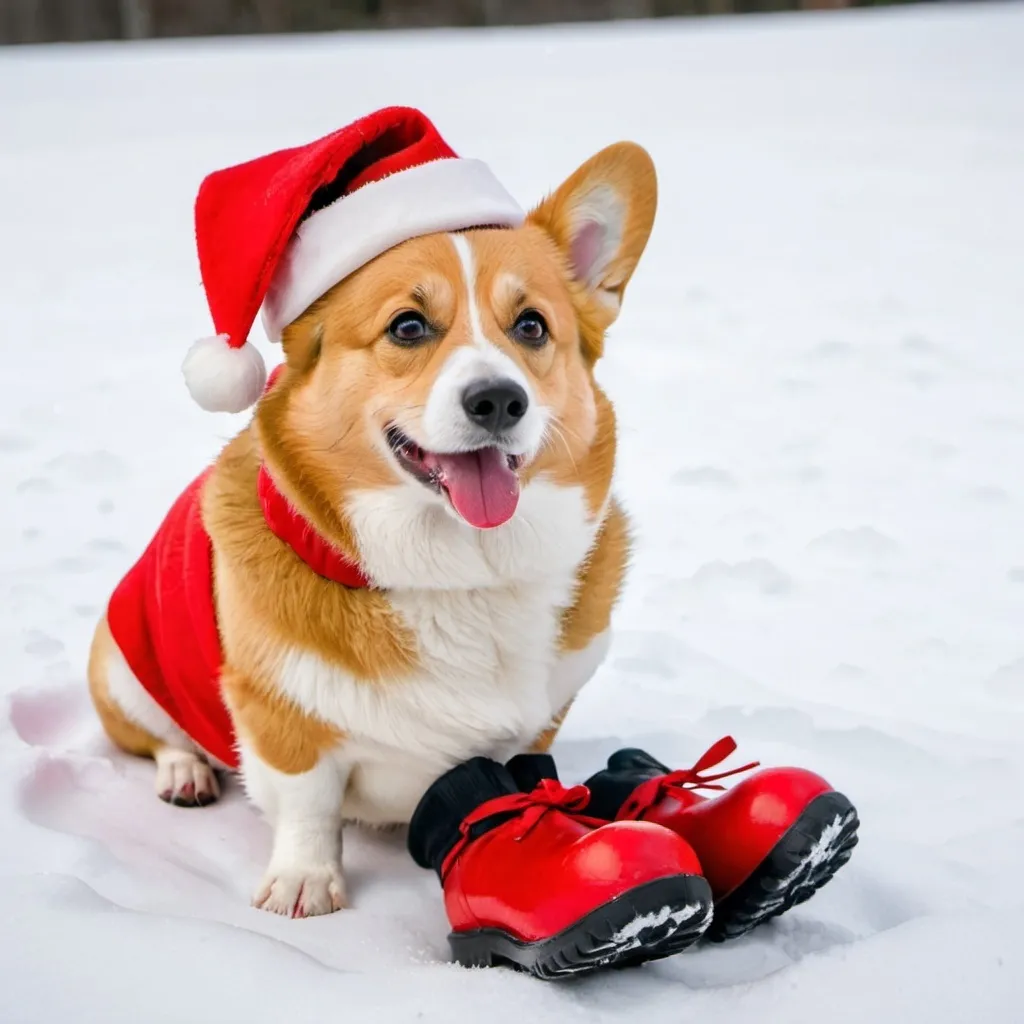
1004	424
802	445
87	467
862	543
45	718
43	646
72	565
796	386
805	474
1007	681
756	574
845	672
104	545
921	378
830	351
920	345
990	494
936	451
35	485
14	444
704	476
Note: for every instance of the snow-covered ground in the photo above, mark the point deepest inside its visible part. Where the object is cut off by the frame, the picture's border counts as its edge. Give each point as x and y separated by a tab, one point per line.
820	379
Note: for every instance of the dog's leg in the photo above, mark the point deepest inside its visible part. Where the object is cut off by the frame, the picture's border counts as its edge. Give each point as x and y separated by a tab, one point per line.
294	772
585	634
138	725
304	876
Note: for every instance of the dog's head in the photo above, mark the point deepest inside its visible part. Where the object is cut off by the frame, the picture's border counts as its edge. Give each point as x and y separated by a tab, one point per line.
455	370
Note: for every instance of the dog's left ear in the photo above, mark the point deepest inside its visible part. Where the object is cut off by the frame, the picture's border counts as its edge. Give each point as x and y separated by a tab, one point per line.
601	218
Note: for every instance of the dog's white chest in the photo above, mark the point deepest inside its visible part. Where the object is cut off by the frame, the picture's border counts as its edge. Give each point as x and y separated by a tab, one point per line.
482	687
486	658
486	680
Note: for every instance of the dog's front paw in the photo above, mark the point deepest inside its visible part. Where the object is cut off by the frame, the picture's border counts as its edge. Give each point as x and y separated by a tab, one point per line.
301	890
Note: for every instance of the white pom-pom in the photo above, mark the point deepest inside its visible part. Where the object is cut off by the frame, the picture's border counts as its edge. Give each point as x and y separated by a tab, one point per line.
222	378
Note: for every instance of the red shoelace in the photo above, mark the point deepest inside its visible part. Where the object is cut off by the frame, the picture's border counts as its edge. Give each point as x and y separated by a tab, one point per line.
528	808
647	794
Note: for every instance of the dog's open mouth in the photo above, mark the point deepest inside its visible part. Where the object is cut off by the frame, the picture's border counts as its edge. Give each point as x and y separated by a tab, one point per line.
482	485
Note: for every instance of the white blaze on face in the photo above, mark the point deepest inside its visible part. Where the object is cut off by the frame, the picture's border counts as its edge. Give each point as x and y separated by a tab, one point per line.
445	425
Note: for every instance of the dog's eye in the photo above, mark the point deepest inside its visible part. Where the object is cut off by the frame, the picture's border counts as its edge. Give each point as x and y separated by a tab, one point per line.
531	328
408	328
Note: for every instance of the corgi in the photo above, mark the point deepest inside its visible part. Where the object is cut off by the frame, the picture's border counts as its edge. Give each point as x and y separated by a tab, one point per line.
412	552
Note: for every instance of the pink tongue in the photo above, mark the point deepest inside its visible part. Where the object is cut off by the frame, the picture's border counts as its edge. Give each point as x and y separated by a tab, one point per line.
482	488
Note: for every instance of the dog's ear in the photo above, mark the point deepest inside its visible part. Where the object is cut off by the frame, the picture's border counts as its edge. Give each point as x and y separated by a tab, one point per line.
601	218
303	338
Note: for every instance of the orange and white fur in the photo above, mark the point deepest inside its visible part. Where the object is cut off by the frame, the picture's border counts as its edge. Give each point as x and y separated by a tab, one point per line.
347	704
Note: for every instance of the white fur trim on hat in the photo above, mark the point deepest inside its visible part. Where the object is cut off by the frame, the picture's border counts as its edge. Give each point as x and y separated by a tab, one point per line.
442	195
223	378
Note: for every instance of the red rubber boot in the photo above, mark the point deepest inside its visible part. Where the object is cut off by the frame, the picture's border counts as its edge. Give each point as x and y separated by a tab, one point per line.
765	845
531	883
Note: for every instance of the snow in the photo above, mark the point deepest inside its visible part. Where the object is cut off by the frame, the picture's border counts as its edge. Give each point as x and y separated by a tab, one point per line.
644	922
818	373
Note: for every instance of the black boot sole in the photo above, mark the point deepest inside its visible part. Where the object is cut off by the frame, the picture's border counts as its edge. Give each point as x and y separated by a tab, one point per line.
816	846
652	921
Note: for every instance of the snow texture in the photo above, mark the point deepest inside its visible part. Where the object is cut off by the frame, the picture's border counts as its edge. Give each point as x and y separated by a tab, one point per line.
818	371
644	922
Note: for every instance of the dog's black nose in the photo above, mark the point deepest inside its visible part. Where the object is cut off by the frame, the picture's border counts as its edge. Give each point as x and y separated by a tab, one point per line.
495	405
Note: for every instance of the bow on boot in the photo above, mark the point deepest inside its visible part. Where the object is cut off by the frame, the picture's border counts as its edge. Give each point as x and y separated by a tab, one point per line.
523	811
649	793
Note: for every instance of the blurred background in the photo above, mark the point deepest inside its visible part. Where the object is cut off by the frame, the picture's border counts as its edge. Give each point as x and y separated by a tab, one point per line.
42	21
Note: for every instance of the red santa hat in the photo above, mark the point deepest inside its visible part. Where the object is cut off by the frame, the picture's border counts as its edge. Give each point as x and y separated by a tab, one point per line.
276	233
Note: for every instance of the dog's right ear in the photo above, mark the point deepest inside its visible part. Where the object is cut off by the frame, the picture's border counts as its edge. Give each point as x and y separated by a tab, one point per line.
601	218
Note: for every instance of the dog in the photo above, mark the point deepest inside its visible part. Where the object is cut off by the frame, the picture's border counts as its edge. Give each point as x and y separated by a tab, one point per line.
435	425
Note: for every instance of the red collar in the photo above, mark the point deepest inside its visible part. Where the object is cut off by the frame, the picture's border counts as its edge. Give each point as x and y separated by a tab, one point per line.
291	527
